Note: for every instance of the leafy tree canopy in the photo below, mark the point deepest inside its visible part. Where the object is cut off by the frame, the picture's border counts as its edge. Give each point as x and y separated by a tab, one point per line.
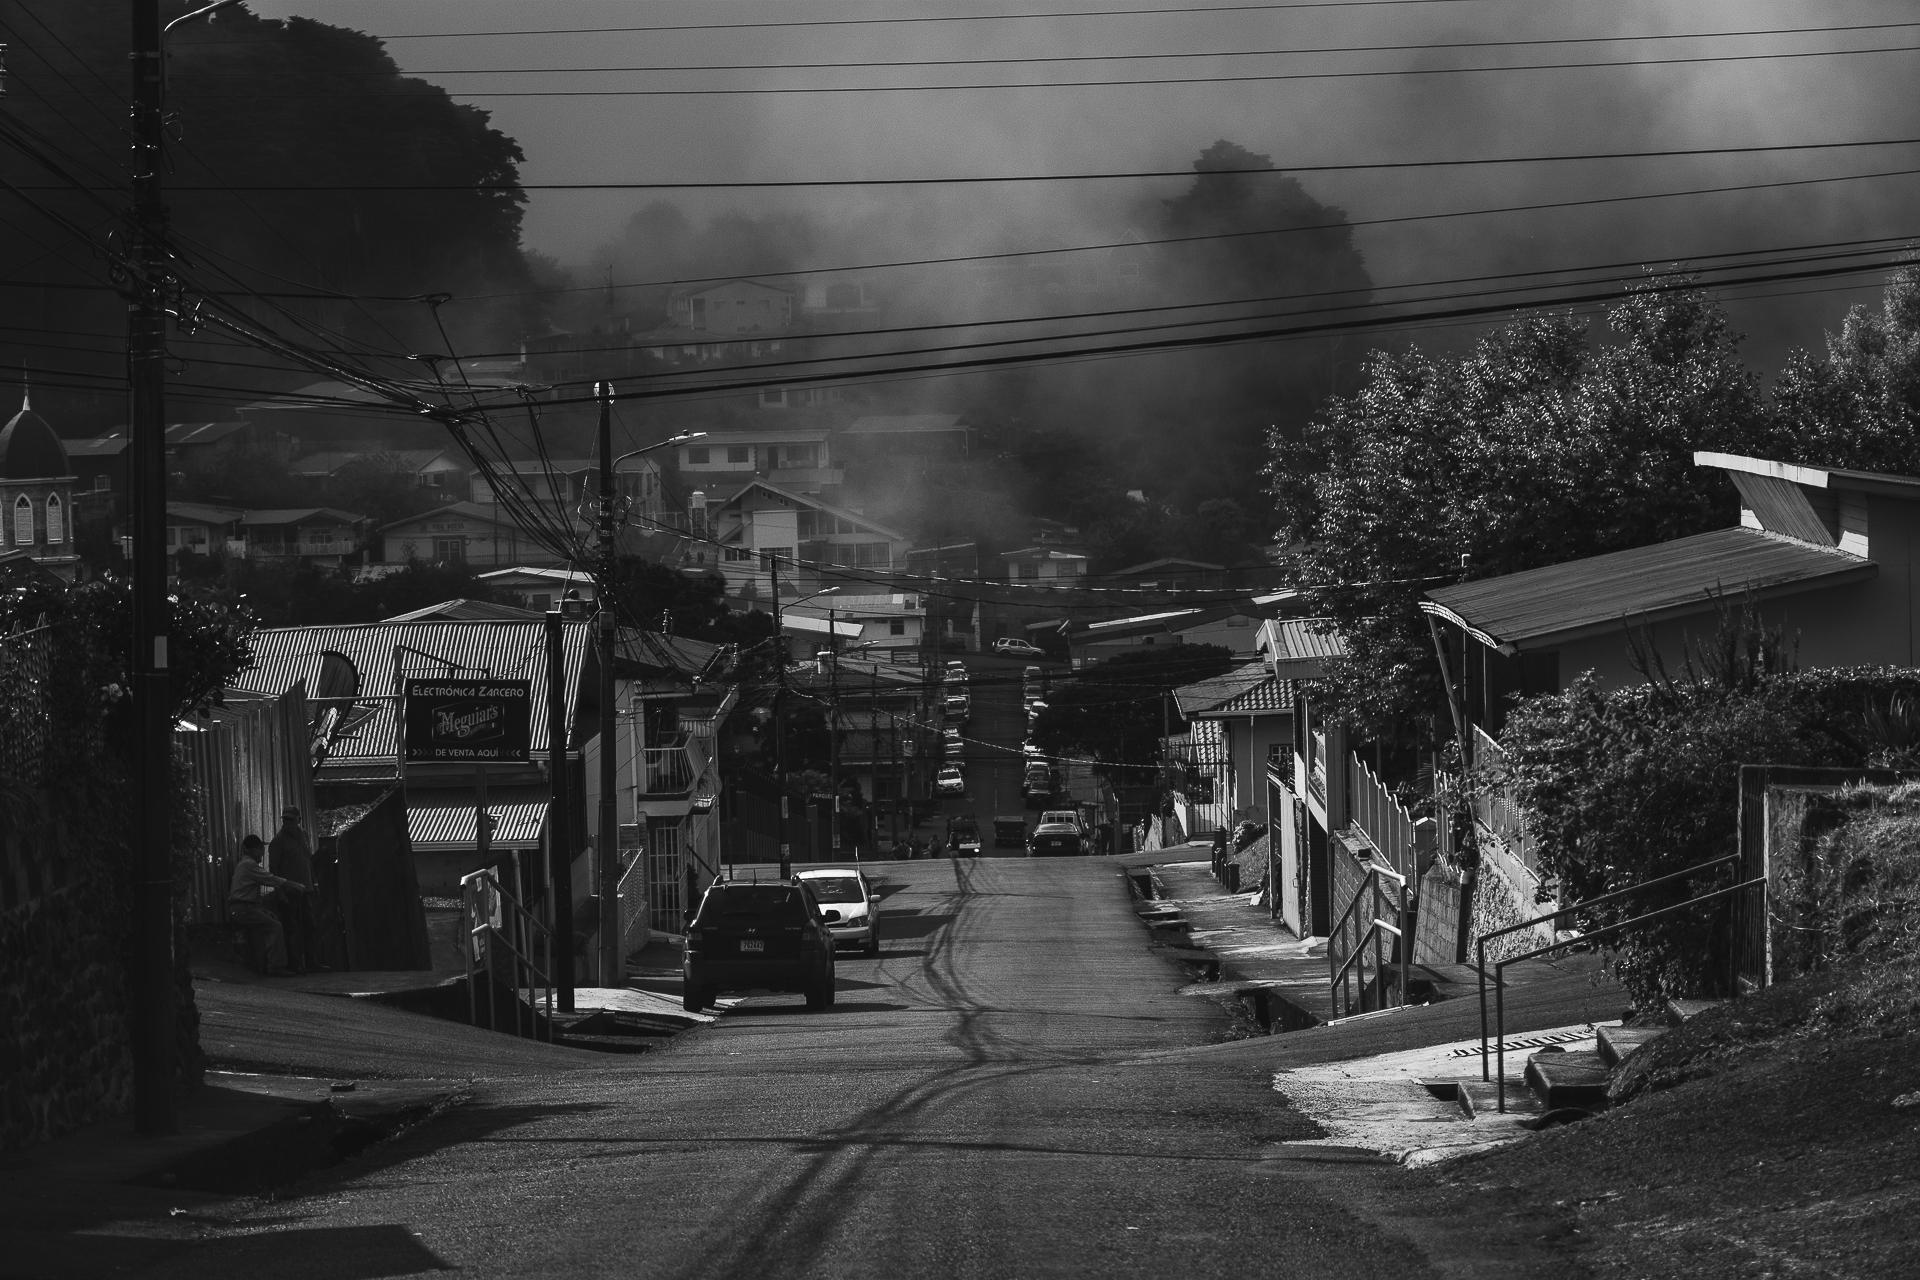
1535	448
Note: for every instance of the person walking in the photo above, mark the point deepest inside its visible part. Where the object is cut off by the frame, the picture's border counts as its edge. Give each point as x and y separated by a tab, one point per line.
291	855
246	907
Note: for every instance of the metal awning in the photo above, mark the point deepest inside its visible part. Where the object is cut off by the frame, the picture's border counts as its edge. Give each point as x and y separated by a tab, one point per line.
437	828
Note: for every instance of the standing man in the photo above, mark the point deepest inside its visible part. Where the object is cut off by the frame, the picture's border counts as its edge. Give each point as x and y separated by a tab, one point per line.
291	855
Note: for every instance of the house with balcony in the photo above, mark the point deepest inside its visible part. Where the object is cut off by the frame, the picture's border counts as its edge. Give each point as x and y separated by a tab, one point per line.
674	695
321	536
204	530
1826	555
797	458
764	522
890	626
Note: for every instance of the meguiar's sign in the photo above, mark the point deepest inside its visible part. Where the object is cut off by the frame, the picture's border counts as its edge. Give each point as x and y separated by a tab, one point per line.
479	721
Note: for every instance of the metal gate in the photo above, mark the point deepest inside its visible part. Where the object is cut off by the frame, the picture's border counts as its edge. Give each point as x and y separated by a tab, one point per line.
666	877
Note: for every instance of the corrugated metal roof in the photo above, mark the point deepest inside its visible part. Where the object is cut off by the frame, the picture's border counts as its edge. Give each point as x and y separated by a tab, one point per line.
436	827
1562	602
284	656
1297	648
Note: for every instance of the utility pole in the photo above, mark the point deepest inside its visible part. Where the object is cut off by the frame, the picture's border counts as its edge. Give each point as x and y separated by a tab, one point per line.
154	1055
608	844
780	718
559	824
833	725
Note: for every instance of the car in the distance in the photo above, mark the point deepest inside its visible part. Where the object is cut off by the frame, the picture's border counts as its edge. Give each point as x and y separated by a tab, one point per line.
950	781
951	743
758	934
847	891
1056	840
1038	781
1024	648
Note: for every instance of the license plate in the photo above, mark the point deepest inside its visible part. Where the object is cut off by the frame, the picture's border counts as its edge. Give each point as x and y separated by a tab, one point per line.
752	944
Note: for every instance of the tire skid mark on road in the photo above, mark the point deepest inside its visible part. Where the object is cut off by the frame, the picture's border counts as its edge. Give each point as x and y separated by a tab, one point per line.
796	1219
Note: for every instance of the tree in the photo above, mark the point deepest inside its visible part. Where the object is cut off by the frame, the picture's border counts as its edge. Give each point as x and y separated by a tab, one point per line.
1533	449
1116	711
1860	406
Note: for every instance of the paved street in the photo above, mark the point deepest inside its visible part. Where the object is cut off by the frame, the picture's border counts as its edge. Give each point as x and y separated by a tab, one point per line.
993	1096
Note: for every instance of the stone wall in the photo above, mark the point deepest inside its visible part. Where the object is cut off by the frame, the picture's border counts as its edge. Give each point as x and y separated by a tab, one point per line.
66	1051
64	1060
1437	928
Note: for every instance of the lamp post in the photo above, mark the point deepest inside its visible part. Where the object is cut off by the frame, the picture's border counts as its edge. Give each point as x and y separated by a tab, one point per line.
607	844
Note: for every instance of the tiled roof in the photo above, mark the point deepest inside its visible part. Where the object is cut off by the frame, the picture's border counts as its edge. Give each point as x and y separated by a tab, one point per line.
284	656
1246	690
1562	602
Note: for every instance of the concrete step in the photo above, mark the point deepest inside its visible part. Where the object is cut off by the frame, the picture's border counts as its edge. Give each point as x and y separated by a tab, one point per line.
1616	1043
1479	1098
1679	1009
1569	1079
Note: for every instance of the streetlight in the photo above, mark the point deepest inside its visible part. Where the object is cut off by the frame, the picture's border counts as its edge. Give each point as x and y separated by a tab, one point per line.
607	850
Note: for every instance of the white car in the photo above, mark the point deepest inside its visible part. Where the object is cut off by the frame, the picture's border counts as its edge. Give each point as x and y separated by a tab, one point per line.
1031	749
851	895
950	781
1022	647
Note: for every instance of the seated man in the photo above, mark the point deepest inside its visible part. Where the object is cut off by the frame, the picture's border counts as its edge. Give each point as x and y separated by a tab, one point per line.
265	937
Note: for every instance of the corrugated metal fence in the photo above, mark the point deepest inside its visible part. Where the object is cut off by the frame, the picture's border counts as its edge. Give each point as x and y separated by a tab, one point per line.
250	759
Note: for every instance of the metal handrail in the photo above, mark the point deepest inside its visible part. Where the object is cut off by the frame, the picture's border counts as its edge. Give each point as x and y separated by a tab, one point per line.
1500	967
1480	944
522	930
1370	884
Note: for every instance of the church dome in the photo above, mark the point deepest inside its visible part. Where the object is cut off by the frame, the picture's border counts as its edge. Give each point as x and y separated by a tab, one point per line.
29	449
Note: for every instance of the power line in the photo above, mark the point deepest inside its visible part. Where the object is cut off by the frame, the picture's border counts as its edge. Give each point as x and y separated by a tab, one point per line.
1277	171
1167	55
1145	82
930	19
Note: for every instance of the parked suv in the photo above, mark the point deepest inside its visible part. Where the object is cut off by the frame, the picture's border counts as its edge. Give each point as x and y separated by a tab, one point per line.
1023	648
771	934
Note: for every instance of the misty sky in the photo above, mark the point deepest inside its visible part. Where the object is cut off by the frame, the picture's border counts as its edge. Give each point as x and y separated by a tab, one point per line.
1357	117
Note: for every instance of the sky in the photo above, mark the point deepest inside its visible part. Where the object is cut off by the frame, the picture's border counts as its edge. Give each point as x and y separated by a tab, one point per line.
1362	100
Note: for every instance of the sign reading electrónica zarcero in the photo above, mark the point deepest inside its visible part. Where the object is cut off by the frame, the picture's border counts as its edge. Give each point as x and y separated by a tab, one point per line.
478	721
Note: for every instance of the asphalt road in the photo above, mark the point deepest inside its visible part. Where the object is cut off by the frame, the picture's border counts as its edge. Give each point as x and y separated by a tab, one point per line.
997	1095
991	756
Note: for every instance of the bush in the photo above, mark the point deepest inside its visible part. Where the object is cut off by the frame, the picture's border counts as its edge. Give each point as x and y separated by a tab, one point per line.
1627	785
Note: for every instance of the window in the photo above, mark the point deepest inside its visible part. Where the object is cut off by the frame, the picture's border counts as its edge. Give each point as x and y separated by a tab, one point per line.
22	522
773	397
739	453
896	626
450	550
801	455
433	479
56	522
1026	569
697	457
101	483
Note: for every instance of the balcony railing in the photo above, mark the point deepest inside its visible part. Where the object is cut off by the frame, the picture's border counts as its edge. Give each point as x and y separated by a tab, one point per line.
671	771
